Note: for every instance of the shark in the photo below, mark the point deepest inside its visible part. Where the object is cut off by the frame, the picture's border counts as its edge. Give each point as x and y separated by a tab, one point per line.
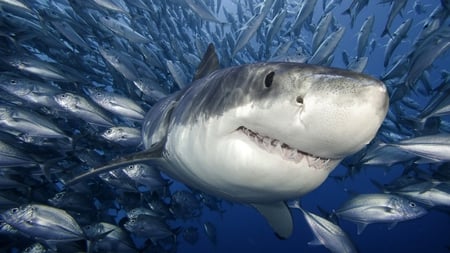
259	134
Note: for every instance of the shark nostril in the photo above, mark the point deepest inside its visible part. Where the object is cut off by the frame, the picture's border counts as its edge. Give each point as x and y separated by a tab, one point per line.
299	99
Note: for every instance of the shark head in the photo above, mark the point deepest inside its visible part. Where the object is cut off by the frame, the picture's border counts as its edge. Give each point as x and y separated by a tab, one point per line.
267	132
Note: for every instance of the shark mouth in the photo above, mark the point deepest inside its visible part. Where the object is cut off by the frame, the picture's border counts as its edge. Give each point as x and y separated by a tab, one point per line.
272	145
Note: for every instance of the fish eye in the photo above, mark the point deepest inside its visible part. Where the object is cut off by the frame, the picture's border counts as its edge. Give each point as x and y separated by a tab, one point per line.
29	222
13	81
269	79
109	131
14	210
412	204
299	99
130	167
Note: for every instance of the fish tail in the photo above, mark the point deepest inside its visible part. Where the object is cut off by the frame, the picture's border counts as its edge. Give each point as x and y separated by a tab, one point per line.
347	12
386	31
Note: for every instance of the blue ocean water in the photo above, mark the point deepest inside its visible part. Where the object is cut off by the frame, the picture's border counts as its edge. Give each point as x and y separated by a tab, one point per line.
241	229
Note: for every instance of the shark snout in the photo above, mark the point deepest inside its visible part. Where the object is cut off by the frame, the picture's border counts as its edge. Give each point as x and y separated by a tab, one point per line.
378	96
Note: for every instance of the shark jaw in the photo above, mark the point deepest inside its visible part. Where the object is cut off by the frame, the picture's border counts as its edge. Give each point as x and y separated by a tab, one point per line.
286	152
241	164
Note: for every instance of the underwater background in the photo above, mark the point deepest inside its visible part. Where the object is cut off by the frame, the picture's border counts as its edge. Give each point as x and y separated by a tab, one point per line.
163	47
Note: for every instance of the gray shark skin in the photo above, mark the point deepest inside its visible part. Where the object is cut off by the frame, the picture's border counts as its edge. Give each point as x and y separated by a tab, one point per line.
262	133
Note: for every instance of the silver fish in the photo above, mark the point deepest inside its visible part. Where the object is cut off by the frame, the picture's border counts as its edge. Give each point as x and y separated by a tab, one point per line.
44	222
433	147
326	233
23	122
327	47
396	7
70	33
149	226
428	193
200	9
423	57
363	35
124	30
36	92
146	175
79	107
120	62
321	30
306	9
108	237
45	70
13	157
365	209
250	28
358	64
124	136
116	104
397	37
114	5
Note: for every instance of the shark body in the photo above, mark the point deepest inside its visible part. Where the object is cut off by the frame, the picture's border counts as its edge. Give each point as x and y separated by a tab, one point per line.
262	133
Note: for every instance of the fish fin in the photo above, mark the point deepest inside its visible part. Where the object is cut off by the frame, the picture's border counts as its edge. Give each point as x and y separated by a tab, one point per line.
379	186
153	155
360	227
101	236
315	242
278	216
347	12
350	192
392	225
209	63
295	204
331	216
386	31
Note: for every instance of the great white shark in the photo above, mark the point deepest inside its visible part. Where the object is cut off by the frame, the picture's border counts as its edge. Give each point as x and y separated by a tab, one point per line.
261	133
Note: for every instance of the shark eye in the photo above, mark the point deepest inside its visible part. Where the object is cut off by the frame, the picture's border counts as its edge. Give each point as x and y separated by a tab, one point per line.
299	99
412	204
269	79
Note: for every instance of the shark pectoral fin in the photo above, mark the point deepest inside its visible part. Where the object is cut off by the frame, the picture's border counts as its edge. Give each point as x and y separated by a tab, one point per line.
279	217
152	155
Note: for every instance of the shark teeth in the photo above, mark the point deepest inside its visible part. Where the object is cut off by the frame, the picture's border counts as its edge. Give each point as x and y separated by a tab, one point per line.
286	152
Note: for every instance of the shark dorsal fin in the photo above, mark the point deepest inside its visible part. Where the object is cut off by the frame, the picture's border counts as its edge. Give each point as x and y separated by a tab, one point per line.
209	63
